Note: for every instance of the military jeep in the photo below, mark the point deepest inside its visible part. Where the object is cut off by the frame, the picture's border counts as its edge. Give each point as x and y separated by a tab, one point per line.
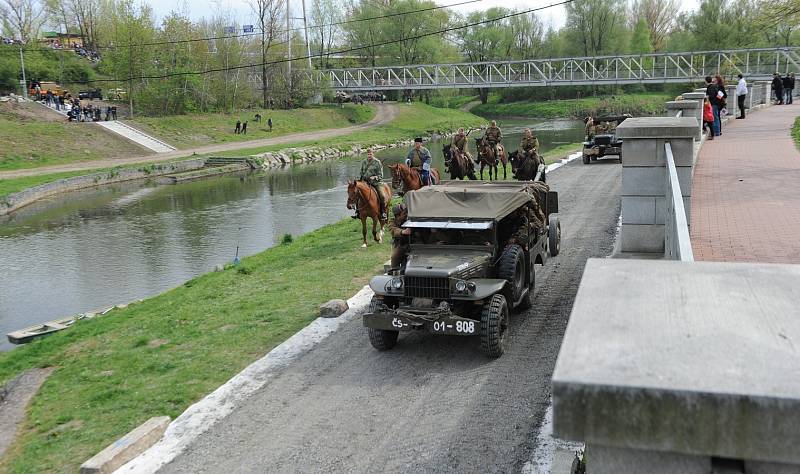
472	251
602	139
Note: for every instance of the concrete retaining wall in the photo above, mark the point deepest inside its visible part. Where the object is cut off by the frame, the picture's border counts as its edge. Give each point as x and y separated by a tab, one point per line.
15	201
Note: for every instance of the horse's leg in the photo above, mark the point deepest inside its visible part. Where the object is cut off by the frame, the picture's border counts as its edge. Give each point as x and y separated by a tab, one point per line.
375	229
504	169
364	230
481	170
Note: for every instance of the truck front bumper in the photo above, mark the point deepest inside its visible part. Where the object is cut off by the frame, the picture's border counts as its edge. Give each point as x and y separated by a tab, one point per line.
434	320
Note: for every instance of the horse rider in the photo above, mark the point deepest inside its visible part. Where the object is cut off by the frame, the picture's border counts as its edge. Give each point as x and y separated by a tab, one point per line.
399	236
372	174
493	135
460	143
529	143
419	158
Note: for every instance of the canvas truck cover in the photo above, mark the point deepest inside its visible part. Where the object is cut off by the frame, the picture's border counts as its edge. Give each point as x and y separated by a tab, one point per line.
468	200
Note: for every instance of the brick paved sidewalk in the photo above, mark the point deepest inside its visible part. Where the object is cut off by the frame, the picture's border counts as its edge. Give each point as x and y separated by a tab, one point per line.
746	191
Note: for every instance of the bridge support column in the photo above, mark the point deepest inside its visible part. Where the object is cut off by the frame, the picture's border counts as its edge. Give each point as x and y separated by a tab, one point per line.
644	177
699	97
691	109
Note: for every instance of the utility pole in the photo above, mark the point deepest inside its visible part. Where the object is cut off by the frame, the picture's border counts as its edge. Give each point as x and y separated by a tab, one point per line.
289	55
24	80
305	27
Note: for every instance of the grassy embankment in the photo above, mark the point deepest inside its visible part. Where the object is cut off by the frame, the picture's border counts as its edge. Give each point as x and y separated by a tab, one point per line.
635	104
411	120
796	132
33	137
159	356
188	131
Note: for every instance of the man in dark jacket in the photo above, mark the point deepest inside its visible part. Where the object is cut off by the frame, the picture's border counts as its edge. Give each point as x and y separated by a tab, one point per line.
788	88
777	87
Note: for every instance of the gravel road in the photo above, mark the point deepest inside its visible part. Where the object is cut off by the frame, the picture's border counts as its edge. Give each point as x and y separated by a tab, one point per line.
432	404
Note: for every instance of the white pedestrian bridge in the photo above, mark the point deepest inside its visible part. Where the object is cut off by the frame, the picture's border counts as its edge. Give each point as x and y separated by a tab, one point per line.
655	68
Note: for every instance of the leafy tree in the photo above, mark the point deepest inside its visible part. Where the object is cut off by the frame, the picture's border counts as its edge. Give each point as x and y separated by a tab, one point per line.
659	16
592	25
22	19
640	39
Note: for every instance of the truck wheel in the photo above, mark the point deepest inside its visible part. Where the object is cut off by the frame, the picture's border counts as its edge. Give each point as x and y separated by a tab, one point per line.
554	235
494	321
511	268
380	339
586	159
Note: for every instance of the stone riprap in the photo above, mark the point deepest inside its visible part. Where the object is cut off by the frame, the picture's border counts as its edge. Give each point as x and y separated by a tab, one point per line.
685	360
15	201
333	309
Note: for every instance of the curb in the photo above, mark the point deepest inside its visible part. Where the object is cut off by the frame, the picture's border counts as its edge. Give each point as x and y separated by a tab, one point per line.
201	416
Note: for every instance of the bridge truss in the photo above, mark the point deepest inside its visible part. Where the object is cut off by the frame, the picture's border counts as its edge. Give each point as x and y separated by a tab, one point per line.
754	64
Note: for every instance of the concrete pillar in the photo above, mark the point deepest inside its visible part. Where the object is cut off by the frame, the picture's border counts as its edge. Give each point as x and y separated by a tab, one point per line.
732	104
644	177
699	97
691	109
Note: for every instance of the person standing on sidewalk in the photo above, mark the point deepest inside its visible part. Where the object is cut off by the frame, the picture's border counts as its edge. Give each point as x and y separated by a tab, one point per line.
708	118
741	94
788	88
714	95
777	87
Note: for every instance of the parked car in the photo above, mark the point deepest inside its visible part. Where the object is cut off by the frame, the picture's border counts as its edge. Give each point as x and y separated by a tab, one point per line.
91	94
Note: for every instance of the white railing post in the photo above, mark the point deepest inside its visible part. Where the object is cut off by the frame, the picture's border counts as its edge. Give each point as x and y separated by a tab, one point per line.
677	245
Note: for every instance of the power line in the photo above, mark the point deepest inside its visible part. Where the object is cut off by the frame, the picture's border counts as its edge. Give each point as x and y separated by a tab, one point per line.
341	51
276	33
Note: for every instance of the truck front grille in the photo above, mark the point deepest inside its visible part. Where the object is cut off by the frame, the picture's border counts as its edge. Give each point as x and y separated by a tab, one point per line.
425	287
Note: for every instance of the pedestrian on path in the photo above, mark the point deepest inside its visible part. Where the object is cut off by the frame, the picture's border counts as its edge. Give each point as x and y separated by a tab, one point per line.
244	128
716	96
788	88
269	123
777	87
238	128
708	118
741	94
114	112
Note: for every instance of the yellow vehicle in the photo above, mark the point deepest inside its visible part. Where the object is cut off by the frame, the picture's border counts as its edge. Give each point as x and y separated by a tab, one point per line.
44	86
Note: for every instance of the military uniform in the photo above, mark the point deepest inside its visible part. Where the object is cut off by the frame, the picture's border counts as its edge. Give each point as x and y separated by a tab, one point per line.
400	245
493	135
372	174
460	142
528	144
417	159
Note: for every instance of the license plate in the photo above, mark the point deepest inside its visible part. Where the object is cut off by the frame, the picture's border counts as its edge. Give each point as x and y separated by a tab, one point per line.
455	327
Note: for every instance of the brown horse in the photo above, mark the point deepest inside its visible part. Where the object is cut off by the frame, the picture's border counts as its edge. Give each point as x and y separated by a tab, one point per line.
487	157
364	198
409	178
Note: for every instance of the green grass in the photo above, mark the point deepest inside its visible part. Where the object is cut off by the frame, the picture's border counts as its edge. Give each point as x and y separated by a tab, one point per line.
411	120
188	131
452	102
159	356
636	104
796	131
33	137
8	186
561	152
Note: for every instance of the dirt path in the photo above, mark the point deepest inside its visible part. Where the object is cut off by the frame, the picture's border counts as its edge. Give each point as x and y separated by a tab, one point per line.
14	399
432	404
384	113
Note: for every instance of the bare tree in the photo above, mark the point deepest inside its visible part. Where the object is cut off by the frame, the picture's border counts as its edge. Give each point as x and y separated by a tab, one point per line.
85	14
325	14
269	14
660	17
23	18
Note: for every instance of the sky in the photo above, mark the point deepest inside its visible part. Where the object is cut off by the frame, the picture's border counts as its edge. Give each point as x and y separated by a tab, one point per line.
240	9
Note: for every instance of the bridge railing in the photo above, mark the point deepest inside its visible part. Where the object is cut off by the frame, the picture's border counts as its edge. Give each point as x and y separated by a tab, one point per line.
619	69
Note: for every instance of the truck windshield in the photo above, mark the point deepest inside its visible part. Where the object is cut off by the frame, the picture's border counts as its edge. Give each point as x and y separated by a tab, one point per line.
451	237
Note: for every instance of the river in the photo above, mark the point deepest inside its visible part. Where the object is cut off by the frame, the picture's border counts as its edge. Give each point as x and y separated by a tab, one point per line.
91	249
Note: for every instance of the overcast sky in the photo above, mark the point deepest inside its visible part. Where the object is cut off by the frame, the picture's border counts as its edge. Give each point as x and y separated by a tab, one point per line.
240	9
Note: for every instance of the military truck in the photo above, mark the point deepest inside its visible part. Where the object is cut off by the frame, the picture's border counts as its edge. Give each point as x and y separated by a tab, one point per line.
472	252
601	138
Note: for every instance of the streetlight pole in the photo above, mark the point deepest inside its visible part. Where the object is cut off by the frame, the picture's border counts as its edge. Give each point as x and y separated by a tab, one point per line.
24	80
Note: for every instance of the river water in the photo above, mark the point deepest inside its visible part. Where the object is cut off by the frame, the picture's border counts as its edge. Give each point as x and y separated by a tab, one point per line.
91	249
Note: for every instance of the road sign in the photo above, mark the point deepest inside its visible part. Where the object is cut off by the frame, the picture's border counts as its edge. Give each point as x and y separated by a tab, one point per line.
247	28
230	29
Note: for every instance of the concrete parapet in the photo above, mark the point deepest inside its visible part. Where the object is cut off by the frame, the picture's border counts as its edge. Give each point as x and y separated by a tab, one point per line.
127	447
644	176
690	108
699	97
668	366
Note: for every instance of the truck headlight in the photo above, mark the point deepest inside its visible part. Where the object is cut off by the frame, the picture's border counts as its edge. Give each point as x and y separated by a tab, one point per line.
461	286
394	285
